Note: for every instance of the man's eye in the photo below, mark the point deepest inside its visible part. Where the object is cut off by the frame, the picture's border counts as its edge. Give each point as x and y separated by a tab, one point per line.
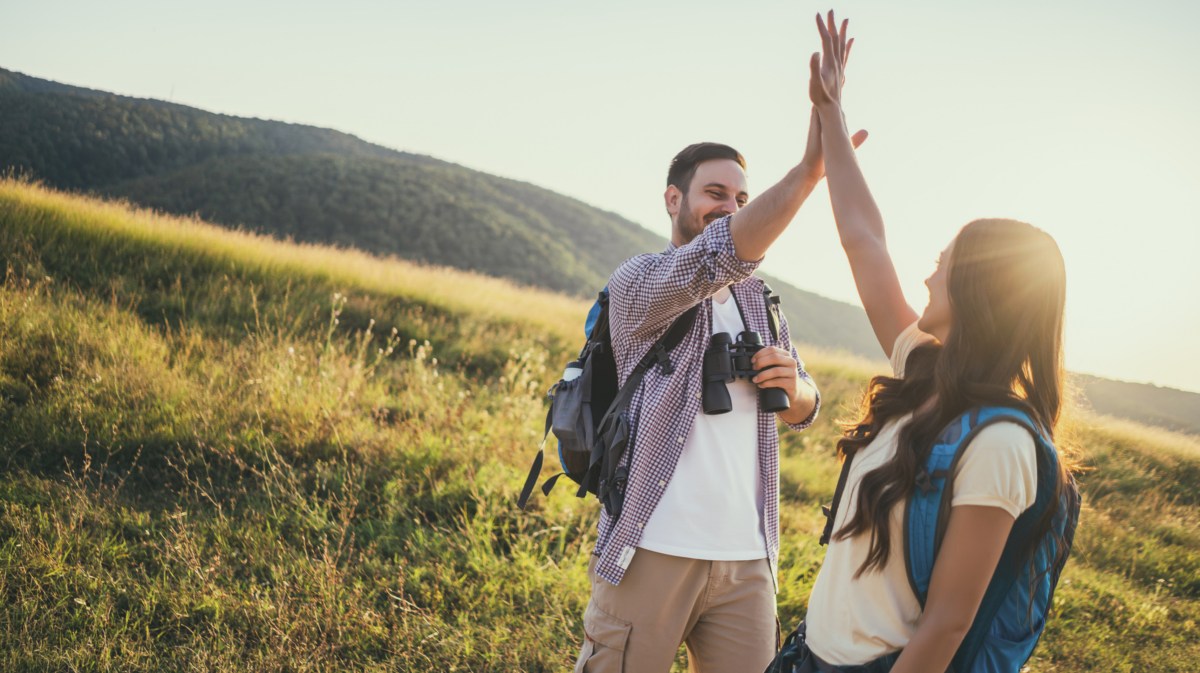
716	195
742	203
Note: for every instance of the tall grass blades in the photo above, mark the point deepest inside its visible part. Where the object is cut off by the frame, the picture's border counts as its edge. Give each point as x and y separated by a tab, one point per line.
223	452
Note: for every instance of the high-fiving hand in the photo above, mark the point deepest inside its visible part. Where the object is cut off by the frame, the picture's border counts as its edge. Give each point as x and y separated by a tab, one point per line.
829	66
825	89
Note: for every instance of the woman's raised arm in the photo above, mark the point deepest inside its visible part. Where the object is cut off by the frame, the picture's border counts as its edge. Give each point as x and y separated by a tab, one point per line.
859	223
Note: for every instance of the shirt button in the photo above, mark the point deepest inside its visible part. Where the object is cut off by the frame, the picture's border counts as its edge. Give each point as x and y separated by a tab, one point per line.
697	395
640	525
680	440
662	483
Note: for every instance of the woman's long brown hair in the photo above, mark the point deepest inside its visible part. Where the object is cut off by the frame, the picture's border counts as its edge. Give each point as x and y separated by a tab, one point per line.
1007	289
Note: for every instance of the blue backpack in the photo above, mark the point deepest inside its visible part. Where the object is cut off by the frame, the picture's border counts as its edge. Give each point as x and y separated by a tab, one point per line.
1013	611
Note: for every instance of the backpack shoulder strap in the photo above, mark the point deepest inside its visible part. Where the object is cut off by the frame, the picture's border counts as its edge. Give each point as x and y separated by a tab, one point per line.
674	335
597	329
831	511
658	353
772	301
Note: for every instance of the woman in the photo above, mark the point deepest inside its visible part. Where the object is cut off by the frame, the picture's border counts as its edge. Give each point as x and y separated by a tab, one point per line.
991	336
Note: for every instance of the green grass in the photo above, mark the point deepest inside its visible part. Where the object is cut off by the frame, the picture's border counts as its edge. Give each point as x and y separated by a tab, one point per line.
220	452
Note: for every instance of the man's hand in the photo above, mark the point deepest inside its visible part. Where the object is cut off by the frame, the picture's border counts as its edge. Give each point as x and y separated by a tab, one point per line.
778	369
814	156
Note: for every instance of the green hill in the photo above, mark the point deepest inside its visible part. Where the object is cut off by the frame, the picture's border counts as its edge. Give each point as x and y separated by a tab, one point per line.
310	184
320	186
224	452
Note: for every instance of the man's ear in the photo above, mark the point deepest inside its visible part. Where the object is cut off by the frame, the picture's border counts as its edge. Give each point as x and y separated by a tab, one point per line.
673	199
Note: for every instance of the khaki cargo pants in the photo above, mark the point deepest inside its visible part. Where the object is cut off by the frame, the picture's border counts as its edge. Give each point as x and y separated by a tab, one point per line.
723	610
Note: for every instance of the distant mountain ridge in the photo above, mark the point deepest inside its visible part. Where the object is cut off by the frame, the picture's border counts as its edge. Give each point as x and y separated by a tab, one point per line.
1168	408
319	185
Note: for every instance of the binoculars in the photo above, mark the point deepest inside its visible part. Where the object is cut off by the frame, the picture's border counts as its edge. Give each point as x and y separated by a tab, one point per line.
725	361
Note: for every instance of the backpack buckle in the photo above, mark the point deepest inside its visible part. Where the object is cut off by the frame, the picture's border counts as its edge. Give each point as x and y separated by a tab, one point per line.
925	483
665	366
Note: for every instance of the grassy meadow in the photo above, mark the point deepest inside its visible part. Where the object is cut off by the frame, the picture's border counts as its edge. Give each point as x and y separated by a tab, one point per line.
222	452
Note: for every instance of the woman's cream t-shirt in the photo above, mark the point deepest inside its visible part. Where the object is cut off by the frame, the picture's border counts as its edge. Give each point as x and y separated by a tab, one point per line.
852	621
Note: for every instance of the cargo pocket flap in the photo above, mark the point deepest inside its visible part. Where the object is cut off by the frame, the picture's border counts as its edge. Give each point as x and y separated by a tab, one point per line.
605	629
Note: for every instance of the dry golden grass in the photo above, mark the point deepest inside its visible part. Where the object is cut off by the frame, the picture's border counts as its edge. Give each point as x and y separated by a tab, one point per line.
290	494
479	296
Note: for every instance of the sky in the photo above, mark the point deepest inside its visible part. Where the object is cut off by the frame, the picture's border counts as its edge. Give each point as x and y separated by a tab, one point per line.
1079	117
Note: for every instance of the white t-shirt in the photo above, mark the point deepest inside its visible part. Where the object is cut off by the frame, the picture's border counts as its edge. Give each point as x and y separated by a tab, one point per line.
852	621
712	506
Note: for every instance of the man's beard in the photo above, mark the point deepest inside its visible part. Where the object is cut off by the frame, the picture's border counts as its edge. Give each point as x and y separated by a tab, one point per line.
691	224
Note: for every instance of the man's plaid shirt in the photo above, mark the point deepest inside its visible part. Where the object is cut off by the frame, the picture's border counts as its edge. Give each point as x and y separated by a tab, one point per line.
647	293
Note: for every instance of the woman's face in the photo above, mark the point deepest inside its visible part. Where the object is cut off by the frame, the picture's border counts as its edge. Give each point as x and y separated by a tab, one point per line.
936	318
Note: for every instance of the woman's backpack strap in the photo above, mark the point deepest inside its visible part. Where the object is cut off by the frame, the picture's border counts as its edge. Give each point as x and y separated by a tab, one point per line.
831	511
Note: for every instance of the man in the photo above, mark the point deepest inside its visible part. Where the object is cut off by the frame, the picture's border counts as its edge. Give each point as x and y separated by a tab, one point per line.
691	558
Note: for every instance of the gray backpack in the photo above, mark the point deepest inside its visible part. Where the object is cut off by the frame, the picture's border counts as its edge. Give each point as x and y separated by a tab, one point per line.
589	413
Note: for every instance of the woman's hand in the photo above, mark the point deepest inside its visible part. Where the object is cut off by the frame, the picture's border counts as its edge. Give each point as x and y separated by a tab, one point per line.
829	66
825	89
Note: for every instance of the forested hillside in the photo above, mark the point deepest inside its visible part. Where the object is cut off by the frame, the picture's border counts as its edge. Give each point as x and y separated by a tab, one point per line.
310	184
321	186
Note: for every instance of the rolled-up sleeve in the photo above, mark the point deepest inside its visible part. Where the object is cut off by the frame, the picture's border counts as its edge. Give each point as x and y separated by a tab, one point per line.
649	291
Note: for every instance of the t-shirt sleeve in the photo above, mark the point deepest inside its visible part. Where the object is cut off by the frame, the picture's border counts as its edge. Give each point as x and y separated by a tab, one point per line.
998	469
906	342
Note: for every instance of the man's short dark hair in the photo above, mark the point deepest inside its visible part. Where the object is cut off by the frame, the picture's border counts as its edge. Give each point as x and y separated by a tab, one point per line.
683	166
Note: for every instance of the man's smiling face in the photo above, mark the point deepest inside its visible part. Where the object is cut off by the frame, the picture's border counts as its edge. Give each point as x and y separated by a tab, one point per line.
718	188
